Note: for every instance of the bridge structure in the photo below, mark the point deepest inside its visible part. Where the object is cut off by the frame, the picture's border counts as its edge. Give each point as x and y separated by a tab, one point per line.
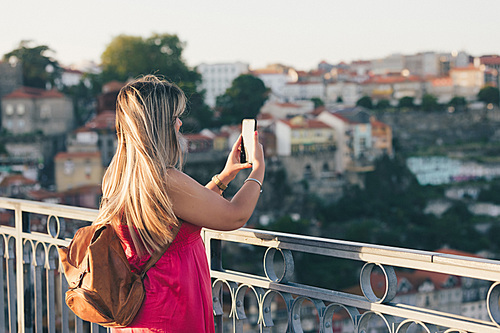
32	287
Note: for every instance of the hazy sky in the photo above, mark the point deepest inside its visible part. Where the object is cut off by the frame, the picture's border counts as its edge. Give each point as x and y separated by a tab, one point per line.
258	32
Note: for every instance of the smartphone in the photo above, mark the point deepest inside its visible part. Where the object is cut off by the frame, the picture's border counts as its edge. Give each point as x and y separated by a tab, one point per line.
248	128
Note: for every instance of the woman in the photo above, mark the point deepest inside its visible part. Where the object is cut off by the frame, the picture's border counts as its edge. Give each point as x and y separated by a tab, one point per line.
148	200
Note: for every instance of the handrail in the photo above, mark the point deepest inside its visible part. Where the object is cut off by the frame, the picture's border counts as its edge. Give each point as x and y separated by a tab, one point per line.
37	248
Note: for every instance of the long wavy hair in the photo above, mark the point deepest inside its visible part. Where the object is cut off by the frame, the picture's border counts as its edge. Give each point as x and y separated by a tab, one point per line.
135	184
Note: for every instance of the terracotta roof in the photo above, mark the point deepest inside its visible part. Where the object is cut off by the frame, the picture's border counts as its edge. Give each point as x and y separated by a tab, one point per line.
84	189
42	194
29	92
104	120
378	123
288	105
490	60
266	71
442	82
16	179
318	110
264	116
392	79
465	69
66	155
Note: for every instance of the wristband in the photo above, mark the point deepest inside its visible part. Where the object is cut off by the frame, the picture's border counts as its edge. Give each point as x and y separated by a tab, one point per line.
219	184
254	180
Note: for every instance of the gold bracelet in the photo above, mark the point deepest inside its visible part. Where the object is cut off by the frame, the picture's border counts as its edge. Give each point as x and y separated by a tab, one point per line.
219	184
254	180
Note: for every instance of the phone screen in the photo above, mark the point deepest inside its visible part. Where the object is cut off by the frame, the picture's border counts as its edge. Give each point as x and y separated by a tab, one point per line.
248	128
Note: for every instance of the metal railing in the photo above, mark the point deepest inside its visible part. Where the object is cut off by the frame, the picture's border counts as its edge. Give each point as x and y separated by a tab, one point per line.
32	288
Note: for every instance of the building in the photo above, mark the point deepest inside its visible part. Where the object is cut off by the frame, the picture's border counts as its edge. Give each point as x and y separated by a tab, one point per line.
217	78
31	110
17	186
304	90
300	135
467	81
382	138
275	79
353	130
77	169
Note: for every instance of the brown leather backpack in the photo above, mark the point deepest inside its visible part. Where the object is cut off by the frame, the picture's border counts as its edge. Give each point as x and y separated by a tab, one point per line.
102	287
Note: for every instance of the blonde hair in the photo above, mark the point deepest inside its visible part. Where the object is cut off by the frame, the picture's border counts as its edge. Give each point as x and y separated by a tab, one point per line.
135	184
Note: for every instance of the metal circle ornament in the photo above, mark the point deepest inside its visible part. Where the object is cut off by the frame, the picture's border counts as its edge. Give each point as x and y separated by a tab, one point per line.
492	302
288	265
391	283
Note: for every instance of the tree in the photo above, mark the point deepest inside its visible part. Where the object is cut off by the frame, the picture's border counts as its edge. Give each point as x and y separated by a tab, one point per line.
429	103
39	68
383	104
242	100
128	57
406	102
317	102
365	102
488	95
458	103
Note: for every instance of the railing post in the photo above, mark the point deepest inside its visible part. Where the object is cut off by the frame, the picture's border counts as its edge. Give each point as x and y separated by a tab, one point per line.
51	307
28	286
39	266
3	246
20	225
11	284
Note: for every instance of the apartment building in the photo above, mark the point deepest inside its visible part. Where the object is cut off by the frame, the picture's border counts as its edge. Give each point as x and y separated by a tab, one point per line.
467	81
353	130
30	110
217	78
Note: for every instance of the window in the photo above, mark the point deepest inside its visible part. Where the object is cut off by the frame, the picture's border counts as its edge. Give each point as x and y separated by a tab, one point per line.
21	109
45	111
9	109
69	167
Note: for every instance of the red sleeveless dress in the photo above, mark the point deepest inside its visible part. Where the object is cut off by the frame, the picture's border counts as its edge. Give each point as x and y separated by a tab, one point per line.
178	288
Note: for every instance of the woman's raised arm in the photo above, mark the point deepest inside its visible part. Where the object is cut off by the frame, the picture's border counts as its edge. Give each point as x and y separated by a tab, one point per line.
203	206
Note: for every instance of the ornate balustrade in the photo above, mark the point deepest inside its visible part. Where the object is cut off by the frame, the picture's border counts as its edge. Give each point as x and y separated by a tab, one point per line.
32	289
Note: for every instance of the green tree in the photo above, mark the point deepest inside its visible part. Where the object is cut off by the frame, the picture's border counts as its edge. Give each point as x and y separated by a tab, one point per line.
406	102
128	57
458	103
317	102
242	100
383	104
488	95
365	101
38	67
430	103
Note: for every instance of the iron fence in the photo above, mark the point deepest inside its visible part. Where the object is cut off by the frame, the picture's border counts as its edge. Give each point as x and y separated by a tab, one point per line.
32	288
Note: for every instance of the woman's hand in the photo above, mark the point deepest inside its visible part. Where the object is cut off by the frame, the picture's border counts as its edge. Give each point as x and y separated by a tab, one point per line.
233	165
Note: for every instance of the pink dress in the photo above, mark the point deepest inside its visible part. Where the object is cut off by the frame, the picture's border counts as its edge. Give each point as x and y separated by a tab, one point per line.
178	288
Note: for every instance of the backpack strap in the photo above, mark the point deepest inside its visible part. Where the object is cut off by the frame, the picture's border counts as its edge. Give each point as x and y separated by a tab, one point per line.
156	256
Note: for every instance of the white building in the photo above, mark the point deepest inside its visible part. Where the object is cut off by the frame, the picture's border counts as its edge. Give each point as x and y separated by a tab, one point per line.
275	80
304	90
217	78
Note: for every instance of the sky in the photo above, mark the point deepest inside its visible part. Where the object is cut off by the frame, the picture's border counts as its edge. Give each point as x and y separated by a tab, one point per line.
259	32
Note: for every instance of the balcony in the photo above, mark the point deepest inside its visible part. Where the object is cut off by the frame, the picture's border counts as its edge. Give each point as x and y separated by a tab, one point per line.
32	288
